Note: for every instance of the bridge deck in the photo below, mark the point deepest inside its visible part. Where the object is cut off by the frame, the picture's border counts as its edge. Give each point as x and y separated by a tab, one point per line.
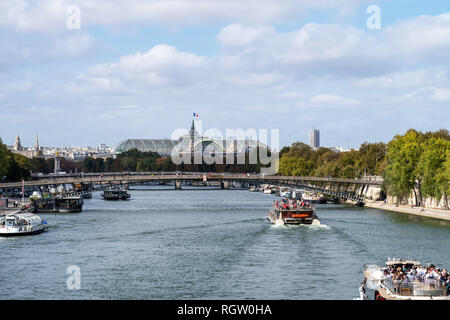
130	178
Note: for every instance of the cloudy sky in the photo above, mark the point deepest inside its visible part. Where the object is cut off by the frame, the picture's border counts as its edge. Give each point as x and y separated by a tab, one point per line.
139	69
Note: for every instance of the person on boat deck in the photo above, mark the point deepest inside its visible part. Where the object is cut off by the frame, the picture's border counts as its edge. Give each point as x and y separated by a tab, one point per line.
405	279
421	271
412	275
444	275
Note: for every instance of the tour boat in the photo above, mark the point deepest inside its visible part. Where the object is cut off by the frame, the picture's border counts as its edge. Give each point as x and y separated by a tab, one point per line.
268	190
285	192
296	194
313	197
21	224
377	286
115	195
293	215
252	189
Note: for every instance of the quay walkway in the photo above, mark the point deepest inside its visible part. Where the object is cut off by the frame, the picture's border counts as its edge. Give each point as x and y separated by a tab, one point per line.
418	211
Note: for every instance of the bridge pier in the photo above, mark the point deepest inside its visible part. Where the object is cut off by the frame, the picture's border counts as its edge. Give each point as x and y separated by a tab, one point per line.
177	185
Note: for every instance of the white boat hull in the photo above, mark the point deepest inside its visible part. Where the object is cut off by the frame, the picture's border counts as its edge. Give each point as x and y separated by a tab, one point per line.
15	232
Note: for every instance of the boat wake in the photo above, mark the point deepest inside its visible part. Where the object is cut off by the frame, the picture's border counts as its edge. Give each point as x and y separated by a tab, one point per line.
280	225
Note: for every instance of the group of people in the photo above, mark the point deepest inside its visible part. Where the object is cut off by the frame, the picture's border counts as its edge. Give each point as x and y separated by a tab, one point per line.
290	204
417	273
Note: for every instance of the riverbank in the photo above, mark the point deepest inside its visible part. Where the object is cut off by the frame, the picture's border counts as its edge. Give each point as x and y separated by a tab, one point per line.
418	211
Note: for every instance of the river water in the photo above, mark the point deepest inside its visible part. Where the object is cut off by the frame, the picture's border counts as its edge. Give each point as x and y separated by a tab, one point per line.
210	244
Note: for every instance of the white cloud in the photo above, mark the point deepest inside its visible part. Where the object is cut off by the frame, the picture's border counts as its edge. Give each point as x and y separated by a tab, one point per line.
340	50
257	56
333	100
50	15
421	38
163	65
441	95
404	79
428	94
239	36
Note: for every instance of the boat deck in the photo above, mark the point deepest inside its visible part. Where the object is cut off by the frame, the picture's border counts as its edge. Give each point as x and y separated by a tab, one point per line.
9	211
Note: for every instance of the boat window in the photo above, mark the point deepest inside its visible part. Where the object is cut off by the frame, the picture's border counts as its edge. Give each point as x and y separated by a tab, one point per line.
9	222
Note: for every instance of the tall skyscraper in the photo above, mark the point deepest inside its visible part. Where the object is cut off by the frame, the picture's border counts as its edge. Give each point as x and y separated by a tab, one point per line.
314	138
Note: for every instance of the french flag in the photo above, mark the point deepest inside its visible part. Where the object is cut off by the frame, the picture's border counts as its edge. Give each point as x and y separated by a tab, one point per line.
195	115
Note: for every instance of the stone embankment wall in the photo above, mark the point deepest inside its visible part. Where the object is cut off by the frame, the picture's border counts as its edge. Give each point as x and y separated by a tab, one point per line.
371	192
375	193
432	203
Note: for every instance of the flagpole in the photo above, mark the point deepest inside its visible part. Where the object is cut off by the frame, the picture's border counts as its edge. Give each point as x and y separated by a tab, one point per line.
23	192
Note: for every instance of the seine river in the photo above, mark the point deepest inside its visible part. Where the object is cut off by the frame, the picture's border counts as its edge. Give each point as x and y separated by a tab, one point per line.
210	244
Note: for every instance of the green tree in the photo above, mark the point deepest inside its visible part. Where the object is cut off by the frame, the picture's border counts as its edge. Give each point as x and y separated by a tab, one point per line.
443	178
291	166
372	156
88	165
4	160
431	168
401	175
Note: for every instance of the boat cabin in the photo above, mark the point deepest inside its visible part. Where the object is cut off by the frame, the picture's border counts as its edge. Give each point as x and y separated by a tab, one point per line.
115	195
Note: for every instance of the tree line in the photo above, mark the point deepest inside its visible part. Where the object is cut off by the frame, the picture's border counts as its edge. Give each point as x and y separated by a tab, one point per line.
137	161
414	162
302	160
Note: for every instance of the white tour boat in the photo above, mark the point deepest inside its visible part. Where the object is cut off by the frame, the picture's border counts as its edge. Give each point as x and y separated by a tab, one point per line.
21	224
285	192
378	284
268	190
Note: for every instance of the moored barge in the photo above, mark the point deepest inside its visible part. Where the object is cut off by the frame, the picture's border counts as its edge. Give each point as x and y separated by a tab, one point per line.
59	205
115	195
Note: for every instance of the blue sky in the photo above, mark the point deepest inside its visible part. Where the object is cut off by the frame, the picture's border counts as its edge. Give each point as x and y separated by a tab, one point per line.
139	69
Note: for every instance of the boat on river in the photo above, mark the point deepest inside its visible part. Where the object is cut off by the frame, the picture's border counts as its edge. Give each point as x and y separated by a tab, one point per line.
86	195
115	195
21	224
410	281
293	213
285	192
59	205
313	197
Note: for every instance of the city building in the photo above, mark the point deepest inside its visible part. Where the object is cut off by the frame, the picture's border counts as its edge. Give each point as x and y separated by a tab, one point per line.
31	152
192	142
314	138
74	153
